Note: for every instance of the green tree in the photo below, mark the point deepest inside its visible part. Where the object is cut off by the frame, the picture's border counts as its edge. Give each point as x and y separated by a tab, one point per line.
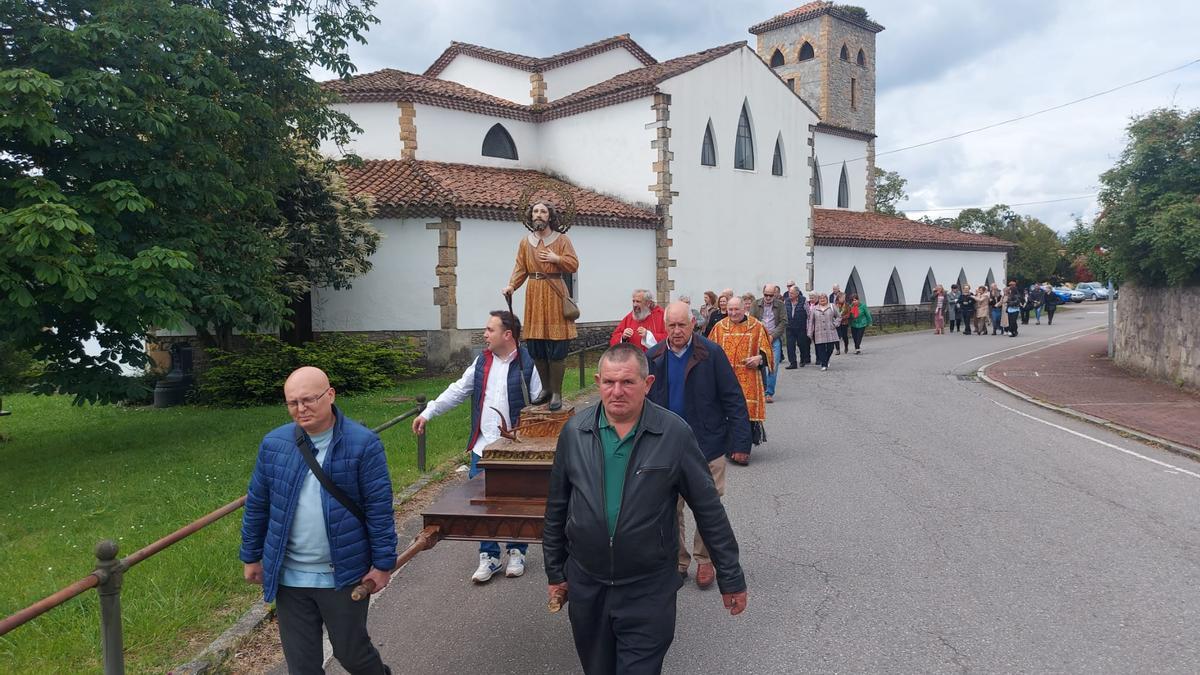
889	191
143	145
1150	202
327	235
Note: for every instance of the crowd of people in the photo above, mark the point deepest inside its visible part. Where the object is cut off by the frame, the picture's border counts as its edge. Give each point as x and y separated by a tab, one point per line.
1002	310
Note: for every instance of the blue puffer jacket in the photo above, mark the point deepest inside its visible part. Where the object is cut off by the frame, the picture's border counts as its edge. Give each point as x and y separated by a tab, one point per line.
356	463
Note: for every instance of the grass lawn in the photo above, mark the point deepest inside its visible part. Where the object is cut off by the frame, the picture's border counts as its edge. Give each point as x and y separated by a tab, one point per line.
75	475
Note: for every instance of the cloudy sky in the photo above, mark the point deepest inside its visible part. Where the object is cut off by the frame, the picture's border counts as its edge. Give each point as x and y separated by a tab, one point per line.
944	67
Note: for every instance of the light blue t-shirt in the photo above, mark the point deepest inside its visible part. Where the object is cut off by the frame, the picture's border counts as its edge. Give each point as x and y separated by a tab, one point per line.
307	562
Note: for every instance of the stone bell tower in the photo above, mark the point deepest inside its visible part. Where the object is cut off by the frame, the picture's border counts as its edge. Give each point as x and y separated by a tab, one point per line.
827	53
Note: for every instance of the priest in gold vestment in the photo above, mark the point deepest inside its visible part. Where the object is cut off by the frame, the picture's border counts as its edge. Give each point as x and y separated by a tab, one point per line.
747	344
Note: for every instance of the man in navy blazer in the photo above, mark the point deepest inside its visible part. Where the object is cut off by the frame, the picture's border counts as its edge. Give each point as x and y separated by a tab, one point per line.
796	310
693	379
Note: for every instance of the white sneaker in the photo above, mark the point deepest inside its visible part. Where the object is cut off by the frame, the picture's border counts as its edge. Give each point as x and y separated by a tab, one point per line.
824	368
488	565
516	563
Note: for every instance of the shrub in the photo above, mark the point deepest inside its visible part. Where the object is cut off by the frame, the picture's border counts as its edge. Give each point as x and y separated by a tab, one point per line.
256	374
15	368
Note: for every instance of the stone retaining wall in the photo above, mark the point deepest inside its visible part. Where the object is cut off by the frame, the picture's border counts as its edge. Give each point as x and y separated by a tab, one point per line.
1158	333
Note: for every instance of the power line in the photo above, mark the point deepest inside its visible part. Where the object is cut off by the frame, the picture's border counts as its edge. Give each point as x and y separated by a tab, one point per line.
1044	201
1027	115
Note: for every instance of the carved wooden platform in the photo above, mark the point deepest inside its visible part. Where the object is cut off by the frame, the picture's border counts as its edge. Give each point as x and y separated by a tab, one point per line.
508	501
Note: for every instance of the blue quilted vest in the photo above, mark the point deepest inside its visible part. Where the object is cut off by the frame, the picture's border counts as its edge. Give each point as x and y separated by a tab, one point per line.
516	399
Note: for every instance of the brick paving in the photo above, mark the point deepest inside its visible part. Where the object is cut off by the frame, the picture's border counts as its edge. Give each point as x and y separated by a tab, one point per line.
1078	375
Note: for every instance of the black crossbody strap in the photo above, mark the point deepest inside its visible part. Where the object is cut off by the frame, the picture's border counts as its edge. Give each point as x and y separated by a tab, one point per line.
309	453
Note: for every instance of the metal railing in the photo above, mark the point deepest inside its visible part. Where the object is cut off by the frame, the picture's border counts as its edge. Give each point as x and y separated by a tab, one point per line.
582	354
109	573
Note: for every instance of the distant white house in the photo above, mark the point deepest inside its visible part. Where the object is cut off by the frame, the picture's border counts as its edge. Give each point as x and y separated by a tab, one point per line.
731	167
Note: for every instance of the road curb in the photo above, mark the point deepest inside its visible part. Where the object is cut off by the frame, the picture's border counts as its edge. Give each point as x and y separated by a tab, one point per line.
1172	446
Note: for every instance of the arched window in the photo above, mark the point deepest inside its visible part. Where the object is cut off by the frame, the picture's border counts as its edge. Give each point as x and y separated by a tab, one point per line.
708	150
854	286
806	51
743	149
844	189
927	291
862	58
816	182
845	55
777	59
777	160
498	143
894	295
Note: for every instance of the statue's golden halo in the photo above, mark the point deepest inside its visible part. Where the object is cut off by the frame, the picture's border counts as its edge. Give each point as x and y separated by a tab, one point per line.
563	201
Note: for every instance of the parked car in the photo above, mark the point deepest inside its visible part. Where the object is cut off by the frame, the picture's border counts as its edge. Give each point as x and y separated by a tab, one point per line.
1092	290
1067	294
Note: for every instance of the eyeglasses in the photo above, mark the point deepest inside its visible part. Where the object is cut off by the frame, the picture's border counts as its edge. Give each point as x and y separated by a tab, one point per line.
307	401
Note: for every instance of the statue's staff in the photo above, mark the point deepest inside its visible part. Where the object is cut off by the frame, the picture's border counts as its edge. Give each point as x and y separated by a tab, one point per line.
520	363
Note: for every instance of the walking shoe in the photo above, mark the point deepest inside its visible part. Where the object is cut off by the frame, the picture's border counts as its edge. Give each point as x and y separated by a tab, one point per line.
516	563
824	368
857	351
837	350
488	565
769	398
791	367
683	575
741	459
706	574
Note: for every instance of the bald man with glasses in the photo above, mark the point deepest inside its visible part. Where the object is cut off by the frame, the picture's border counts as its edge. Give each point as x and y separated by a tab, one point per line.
318	521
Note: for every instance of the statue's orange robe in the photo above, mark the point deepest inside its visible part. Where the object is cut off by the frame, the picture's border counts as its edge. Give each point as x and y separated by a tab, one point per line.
543	305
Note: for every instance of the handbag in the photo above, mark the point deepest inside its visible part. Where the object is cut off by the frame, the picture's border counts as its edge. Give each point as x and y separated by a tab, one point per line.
570	307
309	453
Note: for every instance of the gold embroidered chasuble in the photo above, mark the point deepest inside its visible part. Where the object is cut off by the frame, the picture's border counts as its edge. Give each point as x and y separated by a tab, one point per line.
740	341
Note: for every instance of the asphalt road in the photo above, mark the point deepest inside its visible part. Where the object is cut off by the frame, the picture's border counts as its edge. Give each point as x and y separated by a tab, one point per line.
899	519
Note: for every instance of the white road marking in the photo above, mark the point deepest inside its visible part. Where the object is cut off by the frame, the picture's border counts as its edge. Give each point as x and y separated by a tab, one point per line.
1035	374
1028	344
1169	467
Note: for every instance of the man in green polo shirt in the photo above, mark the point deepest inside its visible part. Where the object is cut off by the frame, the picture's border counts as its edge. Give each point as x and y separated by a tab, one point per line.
610	529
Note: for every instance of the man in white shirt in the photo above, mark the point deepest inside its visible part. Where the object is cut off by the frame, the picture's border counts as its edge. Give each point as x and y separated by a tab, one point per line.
493	384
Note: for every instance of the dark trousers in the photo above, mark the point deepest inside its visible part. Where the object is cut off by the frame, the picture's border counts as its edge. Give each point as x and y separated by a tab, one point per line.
857	334
301	611
824	351
1025	314
1012	323
1050	309
953	324
623	629
798	340
966	325
843	332
549	350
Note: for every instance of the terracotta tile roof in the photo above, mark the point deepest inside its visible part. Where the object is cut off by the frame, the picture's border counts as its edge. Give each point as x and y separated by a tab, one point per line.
633	84
836	227
811	11
414	188
534	64
397	85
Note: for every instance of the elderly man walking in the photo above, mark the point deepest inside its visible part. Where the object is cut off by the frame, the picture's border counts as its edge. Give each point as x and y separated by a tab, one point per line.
693	379
769	310
748	346
619	469
306	540
643	326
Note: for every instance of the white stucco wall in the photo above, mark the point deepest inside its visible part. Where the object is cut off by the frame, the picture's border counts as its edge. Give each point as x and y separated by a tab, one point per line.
579	75
445	135
833	265
492	78
734	228
397	294
380	137
612	262
606	150
831	151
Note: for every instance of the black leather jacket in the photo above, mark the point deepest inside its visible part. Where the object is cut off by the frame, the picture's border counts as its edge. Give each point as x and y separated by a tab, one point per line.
665	463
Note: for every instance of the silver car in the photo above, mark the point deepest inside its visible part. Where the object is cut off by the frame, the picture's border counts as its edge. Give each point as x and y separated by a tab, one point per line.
1092	290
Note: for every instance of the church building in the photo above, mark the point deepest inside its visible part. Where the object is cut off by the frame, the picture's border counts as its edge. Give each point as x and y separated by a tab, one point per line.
732	167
